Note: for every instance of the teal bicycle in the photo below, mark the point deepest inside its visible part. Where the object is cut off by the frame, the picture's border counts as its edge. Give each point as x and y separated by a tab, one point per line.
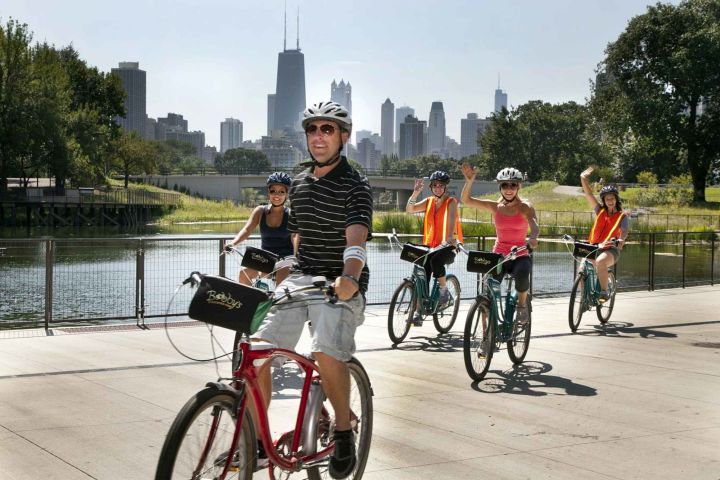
585	294
415	294
491	321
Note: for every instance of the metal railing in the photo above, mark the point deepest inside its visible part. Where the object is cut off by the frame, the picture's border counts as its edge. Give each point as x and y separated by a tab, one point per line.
97	197
53	282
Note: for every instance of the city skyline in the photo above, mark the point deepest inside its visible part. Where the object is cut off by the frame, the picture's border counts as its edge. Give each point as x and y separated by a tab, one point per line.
542	51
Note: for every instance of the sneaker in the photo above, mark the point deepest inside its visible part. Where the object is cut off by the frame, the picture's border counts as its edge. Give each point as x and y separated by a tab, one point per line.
484	346
604	296
522	316
343	458
445	296
262	458
417	320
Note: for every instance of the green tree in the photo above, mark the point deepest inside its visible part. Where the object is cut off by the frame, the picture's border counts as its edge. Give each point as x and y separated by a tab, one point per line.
546	142
135	155
242	160
663	85
15	61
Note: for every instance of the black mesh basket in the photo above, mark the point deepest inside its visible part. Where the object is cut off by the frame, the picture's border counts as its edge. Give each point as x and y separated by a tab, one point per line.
585	250
225	303
414	253
258	259
482	262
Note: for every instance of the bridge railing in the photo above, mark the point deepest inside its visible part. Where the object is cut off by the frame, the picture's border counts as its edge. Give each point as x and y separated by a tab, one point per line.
58	282
82	196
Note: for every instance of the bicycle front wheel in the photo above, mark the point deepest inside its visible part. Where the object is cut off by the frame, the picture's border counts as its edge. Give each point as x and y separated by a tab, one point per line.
604	310
445	317
401	311
518	345
361	419
478	341
198	443
577	303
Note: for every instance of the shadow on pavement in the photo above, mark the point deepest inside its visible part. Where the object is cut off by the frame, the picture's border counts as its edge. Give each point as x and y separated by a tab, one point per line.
441	342
530	378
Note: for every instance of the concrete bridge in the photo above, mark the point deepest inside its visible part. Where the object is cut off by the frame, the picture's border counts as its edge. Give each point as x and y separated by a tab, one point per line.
229	187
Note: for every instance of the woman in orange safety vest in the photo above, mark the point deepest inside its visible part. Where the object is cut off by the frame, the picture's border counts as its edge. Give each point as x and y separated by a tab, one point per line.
440	225
610	223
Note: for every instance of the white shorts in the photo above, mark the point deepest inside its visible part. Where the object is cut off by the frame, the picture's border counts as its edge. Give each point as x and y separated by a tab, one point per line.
332	325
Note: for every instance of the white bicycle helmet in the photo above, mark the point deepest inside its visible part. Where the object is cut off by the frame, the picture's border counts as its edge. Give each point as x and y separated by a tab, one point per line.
509	174
328	111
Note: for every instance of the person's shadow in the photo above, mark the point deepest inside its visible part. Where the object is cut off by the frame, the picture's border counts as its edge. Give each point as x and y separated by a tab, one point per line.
624	330
530	378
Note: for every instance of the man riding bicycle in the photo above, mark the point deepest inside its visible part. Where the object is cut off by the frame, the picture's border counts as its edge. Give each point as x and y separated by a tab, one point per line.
441	224
331	213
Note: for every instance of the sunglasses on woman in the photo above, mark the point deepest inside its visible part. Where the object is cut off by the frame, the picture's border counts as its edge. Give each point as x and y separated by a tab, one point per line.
508	185
326	129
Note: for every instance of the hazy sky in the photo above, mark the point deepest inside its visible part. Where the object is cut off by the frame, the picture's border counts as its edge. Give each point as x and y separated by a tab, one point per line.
212	59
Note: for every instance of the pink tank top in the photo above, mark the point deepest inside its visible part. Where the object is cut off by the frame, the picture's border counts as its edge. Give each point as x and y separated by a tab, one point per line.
511	232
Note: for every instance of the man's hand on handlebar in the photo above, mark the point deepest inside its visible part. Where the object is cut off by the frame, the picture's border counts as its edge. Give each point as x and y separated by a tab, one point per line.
346	287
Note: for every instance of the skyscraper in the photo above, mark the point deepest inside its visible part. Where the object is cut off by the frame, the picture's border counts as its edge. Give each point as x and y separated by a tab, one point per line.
412	141
472	129
270	113
342	93
133	81
387	111
500	98
290	86
400	114
436	129
231	134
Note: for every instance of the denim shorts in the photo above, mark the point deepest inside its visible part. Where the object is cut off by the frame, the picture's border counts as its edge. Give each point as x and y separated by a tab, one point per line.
332	325
614	251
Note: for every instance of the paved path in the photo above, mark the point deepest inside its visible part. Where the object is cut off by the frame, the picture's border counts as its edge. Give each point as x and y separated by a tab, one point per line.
638	399
568	190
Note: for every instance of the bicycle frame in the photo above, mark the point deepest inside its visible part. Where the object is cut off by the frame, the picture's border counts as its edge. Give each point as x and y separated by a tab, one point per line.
591	288
427	297
247	375
498	311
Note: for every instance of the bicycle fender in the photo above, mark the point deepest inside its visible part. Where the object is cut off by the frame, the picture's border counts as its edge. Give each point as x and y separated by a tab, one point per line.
224	387
354	360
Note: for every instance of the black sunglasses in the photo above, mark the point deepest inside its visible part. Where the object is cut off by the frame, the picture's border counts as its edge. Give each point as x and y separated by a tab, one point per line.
508	185
326	129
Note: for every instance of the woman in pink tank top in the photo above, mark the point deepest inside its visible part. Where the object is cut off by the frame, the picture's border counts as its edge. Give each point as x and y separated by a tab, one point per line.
513	216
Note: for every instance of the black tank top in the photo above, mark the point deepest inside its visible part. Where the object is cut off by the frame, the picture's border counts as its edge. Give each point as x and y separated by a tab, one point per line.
276	240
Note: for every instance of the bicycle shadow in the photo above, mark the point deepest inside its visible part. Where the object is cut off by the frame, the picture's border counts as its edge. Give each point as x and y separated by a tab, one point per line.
624	330
531	379
440	343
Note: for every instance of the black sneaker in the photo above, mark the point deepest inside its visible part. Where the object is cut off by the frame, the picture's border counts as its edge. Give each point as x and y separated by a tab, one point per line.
343	458
417	320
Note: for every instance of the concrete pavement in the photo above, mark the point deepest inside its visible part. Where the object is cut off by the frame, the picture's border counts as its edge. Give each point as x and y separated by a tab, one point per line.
637	399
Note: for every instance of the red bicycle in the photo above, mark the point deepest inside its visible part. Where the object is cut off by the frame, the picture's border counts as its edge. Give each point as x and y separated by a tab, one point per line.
214	436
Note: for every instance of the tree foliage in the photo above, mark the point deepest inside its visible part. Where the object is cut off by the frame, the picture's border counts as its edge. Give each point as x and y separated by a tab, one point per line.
661	90
237	160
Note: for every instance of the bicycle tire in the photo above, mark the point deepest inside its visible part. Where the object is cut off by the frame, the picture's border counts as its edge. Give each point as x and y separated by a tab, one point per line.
401	311
519	344
190	434
604	310
477	363
577	303
360	401
444	320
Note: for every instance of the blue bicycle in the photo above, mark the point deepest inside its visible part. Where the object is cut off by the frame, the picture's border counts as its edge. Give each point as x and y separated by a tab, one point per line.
416	295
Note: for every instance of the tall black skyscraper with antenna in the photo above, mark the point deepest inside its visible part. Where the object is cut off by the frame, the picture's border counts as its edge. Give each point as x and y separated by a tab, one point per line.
290	87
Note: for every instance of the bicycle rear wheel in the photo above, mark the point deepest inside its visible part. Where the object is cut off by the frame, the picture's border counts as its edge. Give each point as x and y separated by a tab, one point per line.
444	319
604	310
518	345
199	440
361	409
478	343
401	311
578	303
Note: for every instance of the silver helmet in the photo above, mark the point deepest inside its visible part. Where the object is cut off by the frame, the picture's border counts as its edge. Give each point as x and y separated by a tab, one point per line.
328	111
509	174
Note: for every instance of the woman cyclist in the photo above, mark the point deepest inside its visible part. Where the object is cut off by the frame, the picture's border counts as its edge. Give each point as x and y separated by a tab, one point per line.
273	221
610	223
441	211
512	216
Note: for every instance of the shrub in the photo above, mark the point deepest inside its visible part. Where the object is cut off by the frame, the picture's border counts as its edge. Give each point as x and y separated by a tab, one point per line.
647	178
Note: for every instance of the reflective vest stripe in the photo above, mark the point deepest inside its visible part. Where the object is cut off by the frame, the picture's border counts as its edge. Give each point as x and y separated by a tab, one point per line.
603	213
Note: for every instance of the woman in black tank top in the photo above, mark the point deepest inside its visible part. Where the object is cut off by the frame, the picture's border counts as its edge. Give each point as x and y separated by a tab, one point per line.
272	219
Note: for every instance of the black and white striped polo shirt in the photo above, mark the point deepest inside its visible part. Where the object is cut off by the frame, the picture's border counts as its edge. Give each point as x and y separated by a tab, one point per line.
320	211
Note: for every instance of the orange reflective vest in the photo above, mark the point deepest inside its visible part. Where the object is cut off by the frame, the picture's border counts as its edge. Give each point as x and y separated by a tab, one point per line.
605	226
435	225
